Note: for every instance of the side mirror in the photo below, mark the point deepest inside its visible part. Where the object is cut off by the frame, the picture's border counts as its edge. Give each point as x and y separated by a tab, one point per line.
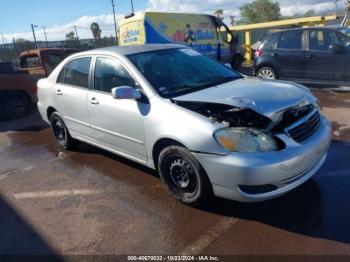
337	49
126	92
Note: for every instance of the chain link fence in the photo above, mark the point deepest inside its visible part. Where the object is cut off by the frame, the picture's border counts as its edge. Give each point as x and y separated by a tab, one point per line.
11	52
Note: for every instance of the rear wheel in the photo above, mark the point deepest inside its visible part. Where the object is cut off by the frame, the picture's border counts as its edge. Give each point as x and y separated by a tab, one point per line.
15	106
184	176
267	73
61	132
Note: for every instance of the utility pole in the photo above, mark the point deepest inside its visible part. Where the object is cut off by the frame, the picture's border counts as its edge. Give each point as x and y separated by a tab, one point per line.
47	42
132	6
115	23
36	44
3	39
76	32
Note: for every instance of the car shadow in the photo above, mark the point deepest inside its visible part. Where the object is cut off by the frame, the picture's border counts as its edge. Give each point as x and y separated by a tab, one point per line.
90	149
319	208
18	238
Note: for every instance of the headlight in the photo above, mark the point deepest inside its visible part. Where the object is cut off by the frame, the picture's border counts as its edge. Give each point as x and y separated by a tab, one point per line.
245	140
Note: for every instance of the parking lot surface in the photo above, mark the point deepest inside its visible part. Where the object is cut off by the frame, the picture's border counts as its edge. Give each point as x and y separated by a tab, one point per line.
89	201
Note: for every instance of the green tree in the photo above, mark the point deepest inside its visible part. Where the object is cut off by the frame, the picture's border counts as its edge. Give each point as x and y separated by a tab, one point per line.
21	40
219	13
70	36
260	11
310	13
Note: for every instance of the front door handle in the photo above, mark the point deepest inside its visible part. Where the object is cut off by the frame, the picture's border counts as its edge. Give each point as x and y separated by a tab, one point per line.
94	101
59	92
275	55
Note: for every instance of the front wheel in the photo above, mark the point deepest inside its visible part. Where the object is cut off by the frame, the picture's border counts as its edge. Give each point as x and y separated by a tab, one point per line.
267	73
184	176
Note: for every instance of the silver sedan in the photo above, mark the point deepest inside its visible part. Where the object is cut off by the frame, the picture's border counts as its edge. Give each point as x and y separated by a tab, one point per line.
205	128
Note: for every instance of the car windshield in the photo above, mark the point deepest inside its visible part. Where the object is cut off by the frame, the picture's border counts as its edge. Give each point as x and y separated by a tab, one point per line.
175	72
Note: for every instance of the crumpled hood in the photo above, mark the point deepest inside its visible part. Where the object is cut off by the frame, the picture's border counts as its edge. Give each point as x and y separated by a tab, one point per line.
269	98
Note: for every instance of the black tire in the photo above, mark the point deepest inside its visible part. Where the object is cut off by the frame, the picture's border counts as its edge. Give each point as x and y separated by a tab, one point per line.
61	132
15	105
267	72
184	176
237	62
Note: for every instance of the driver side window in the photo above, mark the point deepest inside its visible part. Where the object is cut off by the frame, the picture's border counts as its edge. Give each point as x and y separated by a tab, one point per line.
109	73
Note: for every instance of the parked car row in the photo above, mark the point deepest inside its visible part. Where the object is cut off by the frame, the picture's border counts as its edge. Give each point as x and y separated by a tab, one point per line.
307	55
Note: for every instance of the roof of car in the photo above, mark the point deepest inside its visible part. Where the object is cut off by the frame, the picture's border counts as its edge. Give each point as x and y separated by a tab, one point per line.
129	50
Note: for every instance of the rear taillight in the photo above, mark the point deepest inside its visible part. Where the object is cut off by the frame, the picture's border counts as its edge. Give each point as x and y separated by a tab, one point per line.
258	53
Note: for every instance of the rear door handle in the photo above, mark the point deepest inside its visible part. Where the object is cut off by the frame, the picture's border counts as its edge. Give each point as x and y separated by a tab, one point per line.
59	92
94	101
275	55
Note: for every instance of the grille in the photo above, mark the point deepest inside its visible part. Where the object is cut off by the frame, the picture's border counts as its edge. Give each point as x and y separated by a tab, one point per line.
306	129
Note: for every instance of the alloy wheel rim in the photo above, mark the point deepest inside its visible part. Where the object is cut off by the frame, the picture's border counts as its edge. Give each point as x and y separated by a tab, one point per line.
267	74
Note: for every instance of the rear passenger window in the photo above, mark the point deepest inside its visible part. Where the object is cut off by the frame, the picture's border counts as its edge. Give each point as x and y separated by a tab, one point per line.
321	40
291	40
269	42
109	73
76	73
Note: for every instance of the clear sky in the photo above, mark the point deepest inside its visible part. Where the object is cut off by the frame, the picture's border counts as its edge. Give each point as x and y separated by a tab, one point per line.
17	15
60	16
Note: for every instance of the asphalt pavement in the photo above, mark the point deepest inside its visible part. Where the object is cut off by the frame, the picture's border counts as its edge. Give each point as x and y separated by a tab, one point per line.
90	202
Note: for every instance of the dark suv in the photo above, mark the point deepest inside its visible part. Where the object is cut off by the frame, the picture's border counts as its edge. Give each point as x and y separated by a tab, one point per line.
307	55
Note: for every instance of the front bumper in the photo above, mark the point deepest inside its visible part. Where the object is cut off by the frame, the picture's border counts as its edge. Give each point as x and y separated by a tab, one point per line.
285	169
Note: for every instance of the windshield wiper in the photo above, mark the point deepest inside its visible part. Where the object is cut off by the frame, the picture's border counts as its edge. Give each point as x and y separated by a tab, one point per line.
217	80
181	88
208	82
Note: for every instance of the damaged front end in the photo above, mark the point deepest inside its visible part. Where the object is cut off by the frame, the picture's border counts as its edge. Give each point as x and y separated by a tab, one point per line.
298	122
230	115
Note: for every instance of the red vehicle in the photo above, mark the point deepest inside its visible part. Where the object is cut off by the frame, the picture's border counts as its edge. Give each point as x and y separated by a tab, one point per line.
41	62
18	88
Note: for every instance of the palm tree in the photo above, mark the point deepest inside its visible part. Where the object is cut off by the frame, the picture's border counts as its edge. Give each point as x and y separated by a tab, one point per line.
96	31
70	36
219	13
232	20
